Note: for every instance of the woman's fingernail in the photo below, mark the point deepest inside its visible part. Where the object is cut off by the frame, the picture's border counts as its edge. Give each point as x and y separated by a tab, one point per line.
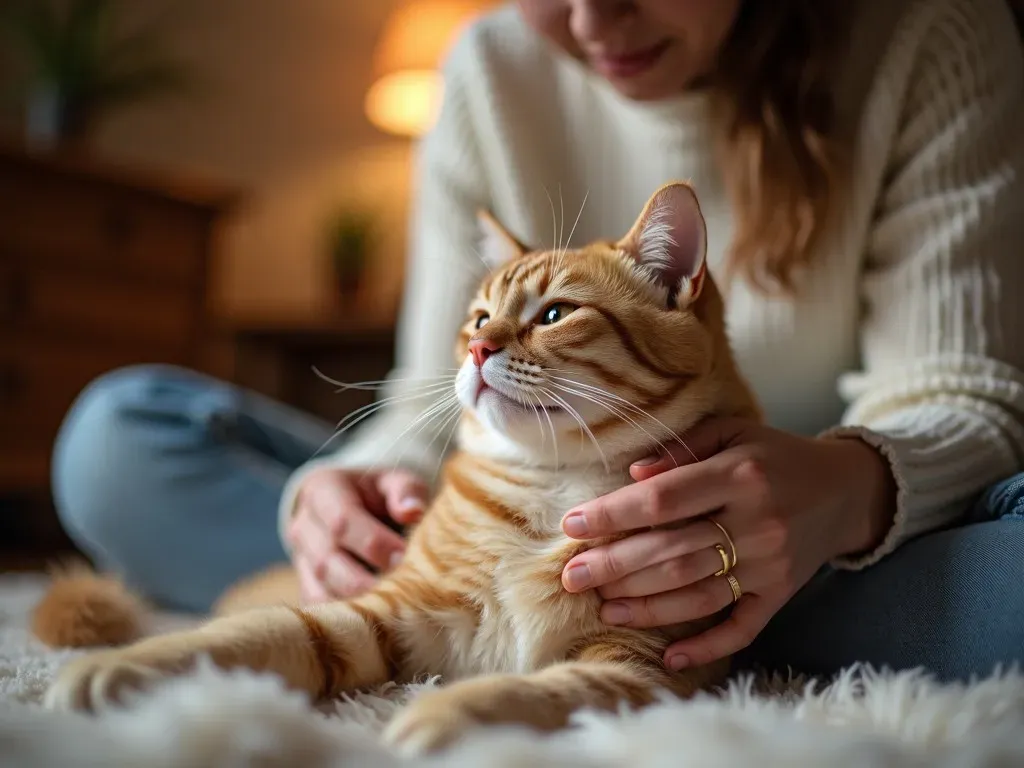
647	461
410	503
578	577
678	661
575	525
616	613
396	559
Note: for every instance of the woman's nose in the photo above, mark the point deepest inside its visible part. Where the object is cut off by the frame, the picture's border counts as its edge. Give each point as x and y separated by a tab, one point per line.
593	21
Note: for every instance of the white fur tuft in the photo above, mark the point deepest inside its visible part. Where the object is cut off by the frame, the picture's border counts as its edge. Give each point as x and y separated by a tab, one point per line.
215	718
669	245
656	241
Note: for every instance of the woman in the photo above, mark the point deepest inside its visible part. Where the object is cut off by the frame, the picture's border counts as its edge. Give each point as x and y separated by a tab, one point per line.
862	174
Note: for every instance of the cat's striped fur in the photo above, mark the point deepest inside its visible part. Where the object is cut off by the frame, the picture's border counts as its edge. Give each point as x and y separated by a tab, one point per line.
478	597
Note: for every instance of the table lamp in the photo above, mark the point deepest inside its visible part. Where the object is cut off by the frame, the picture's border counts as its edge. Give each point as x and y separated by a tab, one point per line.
406	93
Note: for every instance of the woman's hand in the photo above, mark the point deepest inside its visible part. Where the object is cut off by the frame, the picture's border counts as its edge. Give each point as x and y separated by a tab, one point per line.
338	528
790	504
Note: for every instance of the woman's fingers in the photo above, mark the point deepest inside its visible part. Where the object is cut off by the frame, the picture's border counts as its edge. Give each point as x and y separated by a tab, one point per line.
666	576
736	632
312	543
324	571
678	494
345	577
311	588
696	601
616	561
336	504
709	437
405	495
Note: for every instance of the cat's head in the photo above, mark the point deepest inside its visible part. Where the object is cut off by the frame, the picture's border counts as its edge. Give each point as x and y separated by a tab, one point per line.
599	353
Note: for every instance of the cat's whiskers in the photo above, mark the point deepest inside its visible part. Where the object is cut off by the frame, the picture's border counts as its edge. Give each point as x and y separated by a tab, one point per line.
615	411
572	232
561	226
435	410
618	399
554	221
540	424
456	412
579	420
366	411
488	268
378	384
551	426
363	412
439	411
437	425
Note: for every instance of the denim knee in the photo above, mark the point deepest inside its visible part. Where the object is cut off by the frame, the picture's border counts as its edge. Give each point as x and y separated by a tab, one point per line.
100	457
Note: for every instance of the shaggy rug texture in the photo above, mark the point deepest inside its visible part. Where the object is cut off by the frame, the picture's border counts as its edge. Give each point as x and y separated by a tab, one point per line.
212	718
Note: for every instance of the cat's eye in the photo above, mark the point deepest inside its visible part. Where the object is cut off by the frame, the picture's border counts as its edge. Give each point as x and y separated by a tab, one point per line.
557	312
482	321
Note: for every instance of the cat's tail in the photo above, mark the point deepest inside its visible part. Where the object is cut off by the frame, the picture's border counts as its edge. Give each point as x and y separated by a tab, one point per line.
82	608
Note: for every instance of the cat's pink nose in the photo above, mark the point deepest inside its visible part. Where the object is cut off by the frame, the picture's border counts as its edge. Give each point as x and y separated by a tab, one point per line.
481	349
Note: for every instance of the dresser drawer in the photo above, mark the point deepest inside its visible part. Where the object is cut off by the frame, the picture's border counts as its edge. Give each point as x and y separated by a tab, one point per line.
118	230
65	303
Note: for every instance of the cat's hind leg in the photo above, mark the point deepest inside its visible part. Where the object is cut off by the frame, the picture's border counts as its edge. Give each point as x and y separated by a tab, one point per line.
322	650
604	673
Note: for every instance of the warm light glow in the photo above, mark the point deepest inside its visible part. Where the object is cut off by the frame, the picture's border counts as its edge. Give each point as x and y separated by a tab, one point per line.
406	94
406	102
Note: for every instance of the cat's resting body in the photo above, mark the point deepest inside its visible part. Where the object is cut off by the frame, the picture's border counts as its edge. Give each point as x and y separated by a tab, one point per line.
620	346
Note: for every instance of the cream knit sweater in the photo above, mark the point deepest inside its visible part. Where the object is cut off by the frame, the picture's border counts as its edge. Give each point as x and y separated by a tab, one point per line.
909	331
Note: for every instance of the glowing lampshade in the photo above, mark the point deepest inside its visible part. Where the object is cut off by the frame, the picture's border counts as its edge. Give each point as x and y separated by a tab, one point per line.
406	94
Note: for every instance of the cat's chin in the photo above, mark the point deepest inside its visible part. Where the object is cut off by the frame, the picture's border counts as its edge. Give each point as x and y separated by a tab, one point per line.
513	418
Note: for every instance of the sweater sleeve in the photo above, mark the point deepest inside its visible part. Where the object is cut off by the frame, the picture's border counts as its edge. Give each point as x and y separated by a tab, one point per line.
941	392
442	273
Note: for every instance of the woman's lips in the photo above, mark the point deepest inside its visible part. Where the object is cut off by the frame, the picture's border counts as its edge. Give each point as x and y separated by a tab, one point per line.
629	65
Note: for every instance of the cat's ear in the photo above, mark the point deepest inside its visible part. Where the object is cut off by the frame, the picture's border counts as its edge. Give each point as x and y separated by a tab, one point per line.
497	245
669	242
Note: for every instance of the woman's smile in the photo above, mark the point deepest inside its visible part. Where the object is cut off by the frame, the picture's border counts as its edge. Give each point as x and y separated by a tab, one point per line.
628	65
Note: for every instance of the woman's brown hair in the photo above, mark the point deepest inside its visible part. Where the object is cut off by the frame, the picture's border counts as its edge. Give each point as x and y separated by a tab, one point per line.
779	150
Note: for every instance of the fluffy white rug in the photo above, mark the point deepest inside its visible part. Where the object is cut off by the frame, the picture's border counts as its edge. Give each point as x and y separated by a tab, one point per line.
242	720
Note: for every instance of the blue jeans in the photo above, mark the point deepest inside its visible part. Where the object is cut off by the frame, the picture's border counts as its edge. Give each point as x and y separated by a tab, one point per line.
173	479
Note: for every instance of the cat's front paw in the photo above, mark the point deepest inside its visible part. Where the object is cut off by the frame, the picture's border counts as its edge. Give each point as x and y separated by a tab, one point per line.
421	728
101	678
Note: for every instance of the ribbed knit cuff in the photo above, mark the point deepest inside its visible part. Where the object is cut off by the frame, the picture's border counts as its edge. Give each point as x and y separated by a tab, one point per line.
940	457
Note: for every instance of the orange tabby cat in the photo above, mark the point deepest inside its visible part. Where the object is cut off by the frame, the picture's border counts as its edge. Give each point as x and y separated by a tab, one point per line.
556	346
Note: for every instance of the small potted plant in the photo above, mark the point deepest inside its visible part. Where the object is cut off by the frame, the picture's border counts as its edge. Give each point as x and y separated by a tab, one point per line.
80	67
351	239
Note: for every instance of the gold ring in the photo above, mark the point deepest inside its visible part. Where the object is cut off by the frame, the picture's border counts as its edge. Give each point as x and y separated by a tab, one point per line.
726	565
728	539
734	585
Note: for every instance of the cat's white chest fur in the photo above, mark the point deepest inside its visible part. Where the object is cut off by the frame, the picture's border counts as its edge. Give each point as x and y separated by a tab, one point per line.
528	619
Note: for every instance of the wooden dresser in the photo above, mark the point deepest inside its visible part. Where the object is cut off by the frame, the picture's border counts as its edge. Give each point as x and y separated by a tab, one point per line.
99	268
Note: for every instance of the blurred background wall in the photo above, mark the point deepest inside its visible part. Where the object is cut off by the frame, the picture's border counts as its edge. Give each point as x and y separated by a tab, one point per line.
279	112
251	226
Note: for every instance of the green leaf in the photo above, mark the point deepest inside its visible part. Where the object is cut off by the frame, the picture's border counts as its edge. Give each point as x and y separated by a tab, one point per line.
34	29
74	46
